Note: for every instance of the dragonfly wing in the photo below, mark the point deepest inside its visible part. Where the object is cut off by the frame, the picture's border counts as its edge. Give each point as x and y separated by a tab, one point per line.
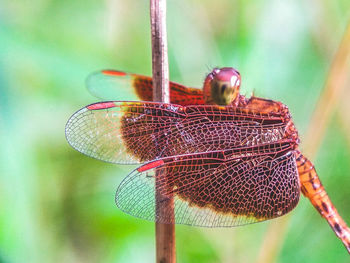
122	132
118	85
111	85
214	189
132	132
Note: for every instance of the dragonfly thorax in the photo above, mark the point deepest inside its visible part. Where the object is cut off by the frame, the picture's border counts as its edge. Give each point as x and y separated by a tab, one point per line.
221	86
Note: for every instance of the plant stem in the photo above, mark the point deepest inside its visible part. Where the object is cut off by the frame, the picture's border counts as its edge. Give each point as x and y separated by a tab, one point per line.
165	233
160	68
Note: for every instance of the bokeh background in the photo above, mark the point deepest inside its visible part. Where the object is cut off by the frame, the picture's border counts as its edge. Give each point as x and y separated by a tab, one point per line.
57	205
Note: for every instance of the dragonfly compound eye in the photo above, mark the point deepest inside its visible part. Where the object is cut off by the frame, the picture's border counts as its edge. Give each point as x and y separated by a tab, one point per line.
222	86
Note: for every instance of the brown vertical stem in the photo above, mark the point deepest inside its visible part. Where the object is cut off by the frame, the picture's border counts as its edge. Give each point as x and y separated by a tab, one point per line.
160	68
165	233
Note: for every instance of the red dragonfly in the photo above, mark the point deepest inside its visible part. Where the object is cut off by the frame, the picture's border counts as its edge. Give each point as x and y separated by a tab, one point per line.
225	159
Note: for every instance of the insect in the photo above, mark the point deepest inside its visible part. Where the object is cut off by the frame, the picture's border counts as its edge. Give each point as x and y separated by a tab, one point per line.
226	160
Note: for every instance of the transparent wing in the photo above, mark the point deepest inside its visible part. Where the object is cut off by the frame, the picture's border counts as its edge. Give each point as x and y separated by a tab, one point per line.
214	189
121	132
112	85
118	85
133	132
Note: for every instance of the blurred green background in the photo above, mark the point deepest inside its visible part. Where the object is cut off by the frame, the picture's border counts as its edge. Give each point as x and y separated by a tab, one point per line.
57	205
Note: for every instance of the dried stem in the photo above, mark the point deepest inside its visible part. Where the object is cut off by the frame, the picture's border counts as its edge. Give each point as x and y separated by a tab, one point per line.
335	86
331	95
343	114
165	233
160	68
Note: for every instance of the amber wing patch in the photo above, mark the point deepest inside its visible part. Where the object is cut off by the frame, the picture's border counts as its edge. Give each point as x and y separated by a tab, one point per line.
210	190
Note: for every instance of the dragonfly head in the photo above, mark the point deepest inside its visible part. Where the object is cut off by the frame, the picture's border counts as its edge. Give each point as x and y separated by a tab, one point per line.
221	86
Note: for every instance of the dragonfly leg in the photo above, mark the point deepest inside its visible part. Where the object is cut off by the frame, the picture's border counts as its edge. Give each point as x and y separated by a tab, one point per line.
313	189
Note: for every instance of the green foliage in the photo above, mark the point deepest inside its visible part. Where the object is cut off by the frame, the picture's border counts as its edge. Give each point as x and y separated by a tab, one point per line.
58	205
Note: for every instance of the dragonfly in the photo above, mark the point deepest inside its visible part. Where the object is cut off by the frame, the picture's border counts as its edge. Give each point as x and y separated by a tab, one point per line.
224	159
